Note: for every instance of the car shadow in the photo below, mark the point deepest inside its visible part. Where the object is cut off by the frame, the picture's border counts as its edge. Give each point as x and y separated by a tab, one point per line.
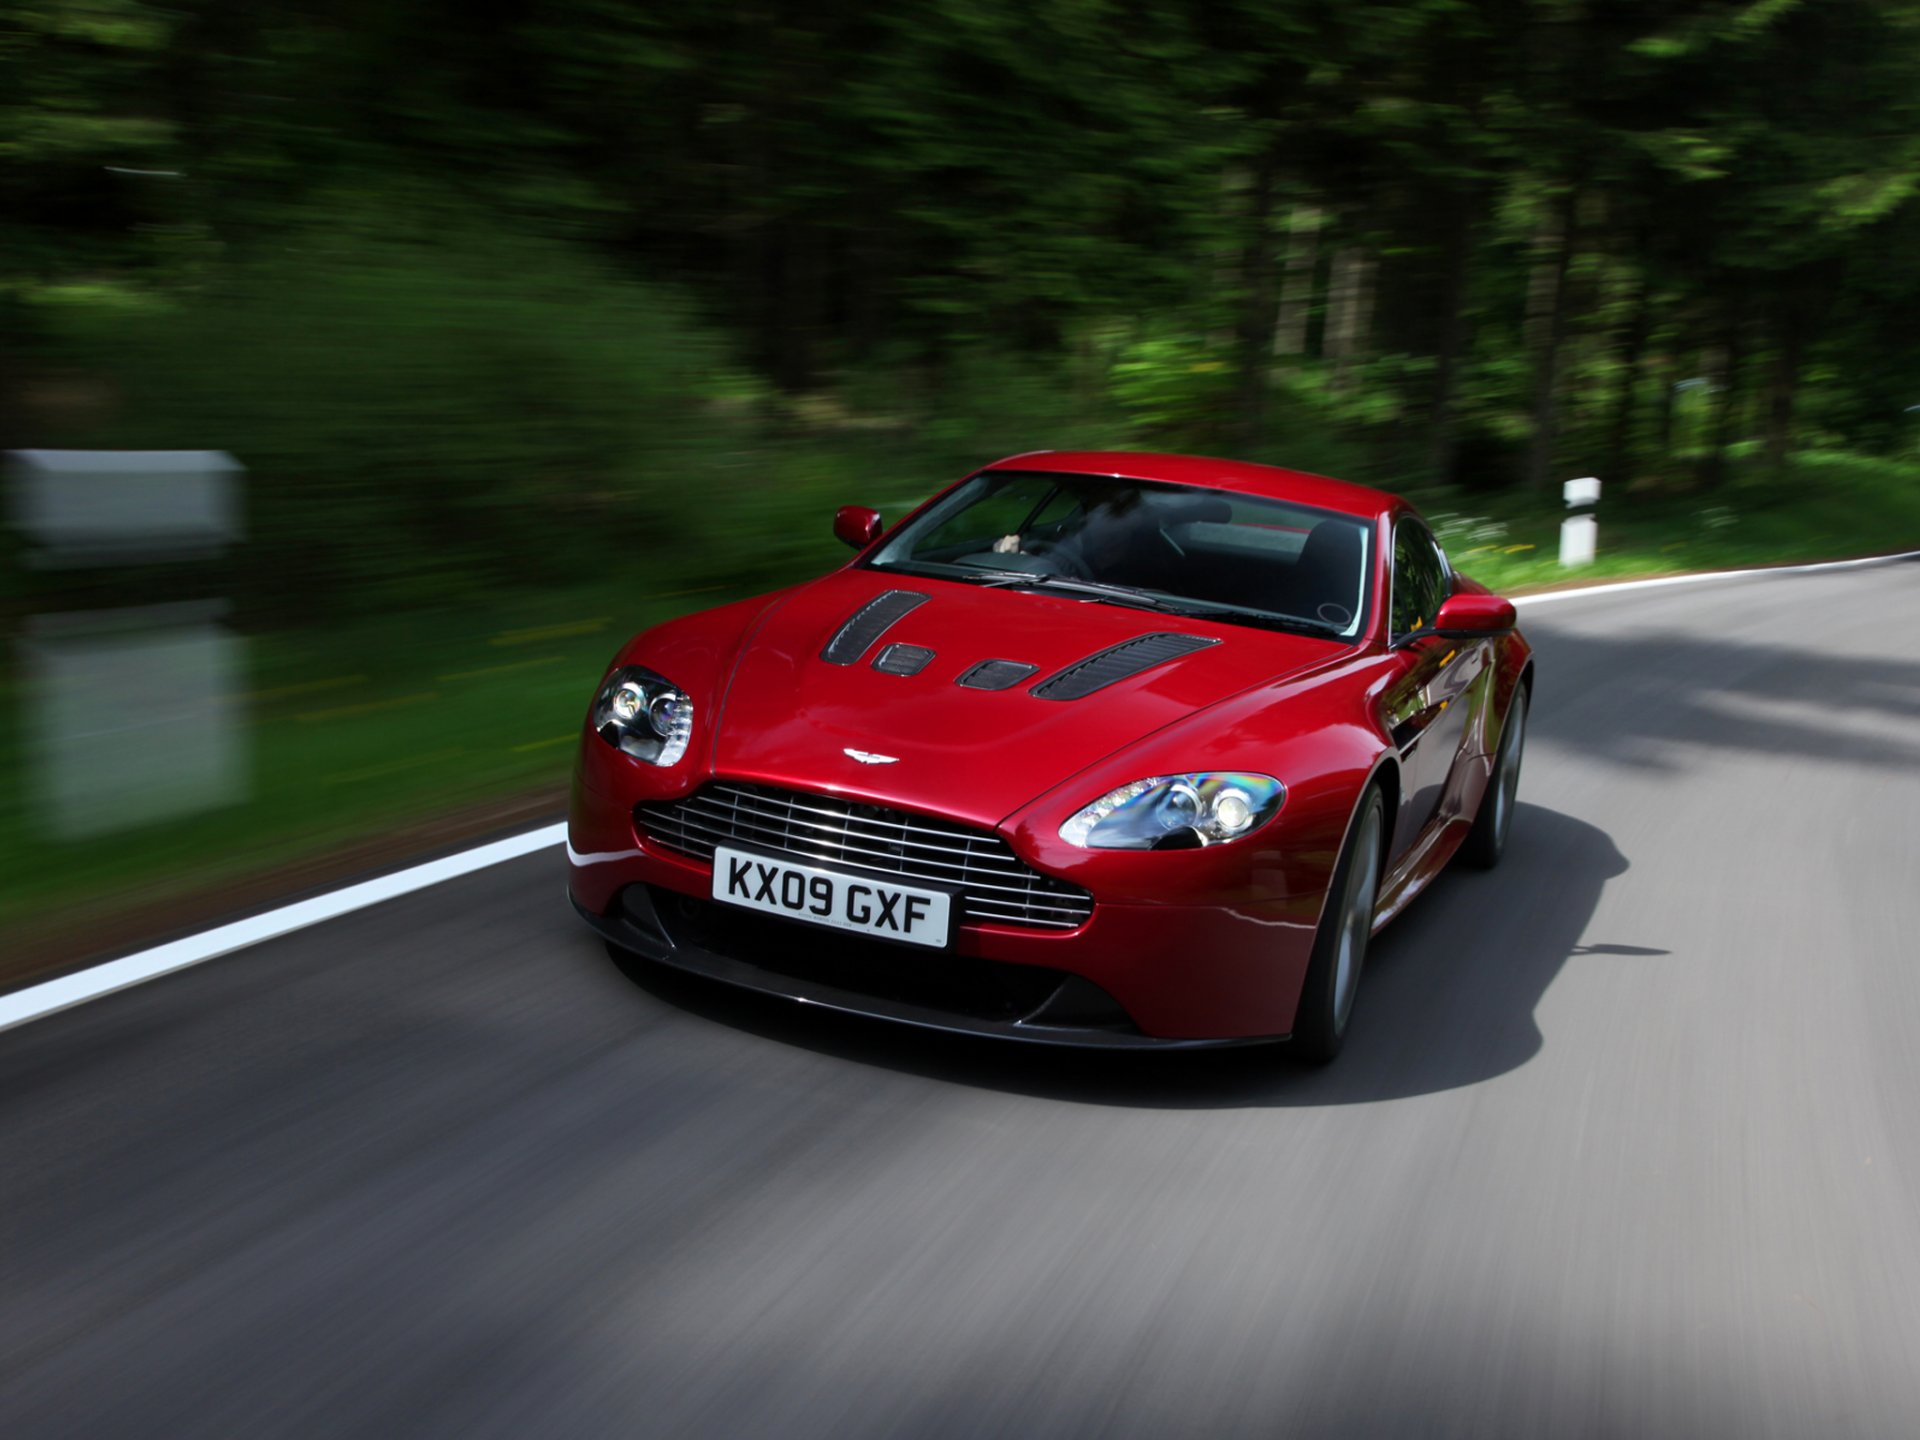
1448	1000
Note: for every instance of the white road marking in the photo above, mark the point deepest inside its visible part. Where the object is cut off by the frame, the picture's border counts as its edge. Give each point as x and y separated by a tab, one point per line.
76	989
1620	586
90	984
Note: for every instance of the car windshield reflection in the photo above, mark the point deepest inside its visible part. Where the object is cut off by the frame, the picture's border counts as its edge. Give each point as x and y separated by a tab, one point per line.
1184	549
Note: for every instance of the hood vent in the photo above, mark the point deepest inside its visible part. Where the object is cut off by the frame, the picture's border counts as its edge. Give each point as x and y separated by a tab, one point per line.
902	659
868	624
1116	663
996	675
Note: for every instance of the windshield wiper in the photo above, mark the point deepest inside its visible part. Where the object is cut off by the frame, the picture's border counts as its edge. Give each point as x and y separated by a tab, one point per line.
1095	589
1116	594
1263	619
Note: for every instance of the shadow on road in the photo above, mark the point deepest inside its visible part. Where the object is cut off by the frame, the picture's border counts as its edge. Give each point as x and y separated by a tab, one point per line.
1653	699
1448	1000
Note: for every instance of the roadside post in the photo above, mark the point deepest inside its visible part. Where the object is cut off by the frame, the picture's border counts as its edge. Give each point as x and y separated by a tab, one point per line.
131	708
1580	531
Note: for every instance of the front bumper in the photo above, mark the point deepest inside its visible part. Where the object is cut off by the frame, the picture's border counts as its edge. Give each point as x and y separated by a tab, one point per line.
1056	1009
1143	972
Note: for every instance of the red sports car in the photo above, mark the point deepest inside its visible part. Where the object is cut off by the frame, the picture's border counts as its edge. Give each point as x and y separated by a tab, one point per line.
1098	749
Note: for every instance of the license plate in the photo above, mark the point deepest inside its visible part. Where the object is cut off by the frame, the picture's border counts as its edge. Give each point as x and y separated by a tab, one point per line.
866	905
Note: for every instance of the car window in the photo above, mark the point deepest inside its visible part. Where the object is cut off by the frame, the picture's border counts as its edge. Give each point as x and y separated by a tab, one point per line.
1420	578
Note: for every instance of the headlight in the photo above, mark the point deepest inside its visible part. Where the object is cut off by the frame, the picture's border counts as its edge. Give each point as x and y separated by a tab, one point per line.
643	715
1176	812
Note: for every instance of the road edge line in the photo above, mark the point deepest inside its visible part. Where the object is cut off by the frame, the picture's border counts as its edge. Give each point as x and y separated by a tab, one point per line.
1699	577
52	996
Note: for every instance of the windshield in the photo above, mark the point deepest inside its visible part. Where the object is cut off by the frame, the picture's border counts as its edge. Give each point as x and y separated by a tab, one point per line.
1180	548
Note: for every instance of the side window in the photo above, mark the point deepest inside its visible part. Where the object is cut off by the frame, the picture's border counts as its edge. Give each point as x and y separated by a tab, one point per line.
1420	580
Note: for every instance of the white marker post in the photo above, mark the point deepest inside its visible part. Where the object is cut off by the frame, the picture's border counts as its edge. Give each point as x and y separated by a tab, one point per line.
1580	531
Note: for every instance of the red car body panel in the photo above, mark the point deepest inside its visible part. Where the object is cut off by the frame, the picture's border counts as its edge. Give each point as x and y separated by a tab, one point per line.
1209	943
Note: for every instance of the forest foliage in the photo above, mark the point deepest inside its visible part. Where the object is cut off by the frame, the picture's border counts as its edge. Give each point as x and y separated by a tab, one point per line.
479	291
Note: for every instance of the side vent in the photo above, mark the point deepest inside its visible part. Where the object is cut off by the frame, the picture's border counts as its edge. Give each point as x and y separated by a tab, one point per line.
868	624
995	675
1116	663
902	659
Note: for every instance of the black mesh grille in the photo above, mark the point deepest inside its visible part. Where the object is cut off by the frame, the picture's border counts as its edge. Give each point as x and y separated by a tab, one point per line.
902	659
995	885
1129	657
868	624
996	674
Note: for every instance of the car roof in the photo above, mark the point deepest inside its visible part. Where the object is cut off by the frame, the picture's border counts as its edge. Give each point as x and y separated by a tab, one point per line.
1270	481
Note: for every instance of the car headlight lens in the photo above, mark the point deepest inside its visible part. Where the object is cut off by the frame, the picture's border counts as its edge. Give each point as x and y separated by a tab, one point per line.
644	715
1176	812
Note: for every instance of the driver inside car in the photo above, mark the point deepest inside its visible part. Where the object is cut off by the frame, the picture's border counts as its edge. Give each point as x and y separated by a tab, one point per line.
1104	546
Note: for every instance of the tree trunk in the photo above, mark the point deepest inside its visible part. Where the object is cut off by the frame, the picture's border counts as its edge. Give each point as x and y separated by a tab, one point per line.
1546	327
866	282
1632	346
755	284
1256	303
1442	441
1666	373
1296	286
1782	391
796	303
1726	407
1349	310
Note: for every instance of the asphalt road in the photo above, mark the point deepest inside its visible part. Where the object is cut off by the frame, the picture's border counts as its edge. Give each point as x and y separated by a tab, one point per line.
1626	1144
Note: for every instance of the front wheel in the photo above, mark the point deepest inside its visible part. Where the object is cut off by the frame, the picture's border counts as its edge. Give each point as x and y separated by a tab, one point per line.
1340	947
1486	842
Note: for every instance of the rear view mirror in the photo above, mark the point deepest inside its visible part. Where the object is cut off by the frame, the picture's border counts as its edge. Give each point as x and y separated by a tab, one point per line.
858	526
1467	615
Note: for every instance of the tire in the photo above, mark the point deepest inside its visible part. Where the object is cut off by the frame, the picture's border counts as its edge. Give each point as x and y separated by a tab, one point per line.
1487	841
1340	946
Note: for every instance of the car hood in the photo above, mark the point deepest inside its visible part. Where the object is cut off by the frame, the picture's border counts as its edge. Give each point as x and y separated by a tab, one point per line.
791	717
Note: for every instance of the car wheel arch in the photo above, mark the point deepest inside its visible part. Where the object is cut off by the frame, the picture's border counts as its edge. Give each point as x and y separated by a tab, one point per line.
1384	776
1522	689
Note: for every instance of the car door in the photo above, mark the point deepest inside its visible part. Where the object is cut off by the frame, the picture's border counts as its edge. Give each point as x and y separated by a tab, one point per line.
1427	704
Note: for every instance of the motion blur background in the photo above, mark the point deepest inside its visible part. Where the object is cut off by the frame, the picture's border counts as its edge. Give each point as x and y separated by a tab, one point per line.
532	322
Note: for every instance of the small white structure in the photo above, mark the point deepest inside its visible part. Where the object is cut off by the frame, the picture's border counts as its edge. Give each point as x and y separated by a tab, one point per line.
1580	531
131	715
96	507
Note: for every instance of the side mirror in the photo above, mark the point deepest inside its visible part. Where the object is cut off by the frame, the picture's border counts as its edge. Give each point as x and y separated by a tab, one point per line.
1467	616
859	526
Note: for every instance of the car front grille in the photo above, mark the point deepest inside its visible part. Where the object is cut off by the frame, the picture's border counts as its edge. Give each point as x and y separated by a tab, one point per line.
995	886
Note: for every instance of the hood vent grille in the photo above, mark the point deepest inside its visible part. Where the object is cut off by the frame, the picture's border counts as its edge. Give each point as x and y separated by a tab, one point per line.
996	675
868	624
1116	663
899	659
